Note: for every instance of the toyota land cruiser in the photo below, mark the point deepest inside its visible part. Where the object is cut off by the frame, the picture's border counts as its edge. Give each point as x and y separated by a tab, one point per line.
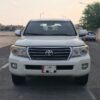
49	48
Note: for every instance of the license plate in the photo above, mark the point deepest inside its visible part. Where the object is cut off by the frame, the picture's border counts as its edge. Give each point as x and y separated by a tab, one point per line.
49	69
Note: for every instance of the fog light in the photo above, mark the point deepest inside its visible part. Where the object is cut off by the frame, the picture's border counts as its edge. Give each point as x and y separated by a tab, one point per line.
84	66
14	65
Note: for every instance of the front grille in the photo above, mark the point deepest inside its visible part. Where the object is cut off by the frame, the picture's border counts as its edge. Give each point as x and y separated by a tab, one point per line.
65	67
49	53
33	67
58	67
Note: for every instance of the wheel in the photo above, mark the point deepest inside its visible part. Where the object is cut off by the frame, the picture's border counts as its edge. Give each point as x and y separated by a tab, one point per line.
18	80
94	39
82	80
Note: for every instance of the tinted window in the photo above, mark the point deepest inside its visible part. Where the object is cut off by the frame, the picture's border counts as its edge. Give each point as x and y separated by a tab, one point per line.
50	28
91	33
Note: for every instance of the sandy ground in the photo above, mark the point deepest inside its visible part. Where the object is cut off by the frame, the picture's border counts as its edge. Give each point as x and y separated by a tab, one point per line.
7	38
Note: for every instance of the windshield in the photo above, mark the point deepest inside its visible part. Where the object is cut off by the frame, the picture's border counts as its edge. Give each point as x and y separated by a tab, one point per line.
91	33
50	28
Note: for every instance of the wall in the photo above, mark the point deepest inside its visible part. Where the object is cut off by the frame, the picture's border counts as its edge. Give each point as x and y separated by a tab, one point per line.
98	34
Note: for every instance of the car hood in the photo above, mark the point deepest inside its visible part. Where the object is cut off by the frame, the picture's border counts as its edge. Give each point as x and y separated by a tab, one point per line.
50	41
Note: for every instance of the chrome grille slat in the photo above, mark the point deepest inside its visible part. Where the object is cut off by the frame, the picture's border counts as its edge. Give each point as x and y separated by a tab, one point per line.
59	53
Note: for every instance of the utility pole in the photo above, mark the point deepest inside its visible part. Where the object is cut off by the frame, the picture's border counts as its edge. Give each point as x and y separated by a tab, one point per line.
41	14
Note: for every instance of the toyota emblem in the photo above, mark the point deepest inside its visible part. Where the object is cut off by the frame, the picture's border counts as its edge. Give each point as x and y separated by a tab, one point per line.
48	52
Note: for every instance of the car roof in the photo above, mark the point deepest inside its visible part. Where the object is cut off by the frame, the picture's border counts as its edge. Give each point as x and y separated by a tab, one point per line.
51	20
90	32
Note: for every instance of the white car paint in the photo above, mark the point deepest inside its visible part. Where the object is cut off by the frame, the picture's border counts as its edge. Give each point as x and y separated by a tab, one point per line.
49	41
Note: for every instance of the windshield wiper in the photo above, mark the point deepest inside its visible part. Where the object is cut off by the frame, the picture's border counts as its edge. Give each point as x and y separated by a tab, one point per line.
30	34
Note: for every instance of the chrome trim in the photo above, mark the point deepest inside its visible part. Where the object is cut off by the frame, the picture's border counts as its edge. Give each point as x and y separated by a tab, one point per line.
49	46
65	47
28	53
71	51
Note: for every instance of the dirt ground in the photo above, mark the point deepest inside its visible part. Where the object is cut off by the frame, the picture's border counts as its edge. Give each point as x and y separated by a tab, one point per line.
7	38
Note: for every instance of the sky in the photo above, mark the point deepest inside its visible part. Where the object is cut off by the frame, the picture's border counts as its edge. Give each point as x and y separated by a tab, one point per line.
19	12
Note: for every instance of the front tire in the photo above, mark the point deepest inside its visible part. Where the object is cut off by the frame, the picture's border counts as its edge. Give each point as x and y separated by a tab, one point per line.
82	80
18	80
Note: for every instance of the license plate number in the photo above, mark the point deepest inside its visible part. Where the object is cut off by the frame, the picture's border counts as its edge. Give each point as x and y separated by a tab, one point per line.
49	69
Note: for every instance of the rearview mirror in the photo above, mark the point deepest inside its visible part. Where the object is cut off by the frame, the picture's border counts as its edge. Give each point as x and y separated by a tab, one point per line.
18	32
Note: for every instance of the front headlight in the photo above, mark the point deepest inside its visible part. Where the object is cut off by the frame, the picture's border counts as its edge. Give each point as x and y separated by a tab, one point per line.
79	51
19	51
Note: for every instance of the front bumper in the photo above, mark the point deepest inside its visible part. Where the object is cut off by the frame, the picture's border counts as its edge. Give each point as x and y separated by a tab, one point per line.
75	62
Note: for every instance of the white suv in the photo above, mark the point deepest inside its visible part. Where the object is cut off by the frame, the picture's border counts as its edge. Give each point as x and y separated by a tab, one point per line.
49	48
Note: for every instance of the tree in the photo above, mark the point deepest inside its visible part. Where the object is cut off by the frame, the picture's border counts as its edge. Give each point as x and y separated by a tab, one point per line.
91	16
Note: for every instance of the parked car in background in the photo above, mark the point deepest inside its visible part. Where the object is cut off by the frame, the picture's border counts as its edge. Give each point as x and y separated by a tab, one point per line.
90	36
82	33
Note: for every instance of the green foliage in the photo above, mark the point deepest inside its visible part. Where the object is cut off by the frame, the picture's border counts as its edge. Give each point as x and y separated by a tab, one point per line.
91	16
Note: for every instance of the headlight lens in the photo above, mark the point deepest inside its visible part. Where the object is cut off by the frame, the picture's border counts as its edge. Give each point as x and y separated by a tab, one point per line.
19	51
79	51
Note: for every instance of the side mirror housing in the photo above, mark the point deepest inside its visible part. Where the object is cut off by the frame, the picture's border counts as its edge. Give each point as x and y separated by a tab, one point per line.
18	32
